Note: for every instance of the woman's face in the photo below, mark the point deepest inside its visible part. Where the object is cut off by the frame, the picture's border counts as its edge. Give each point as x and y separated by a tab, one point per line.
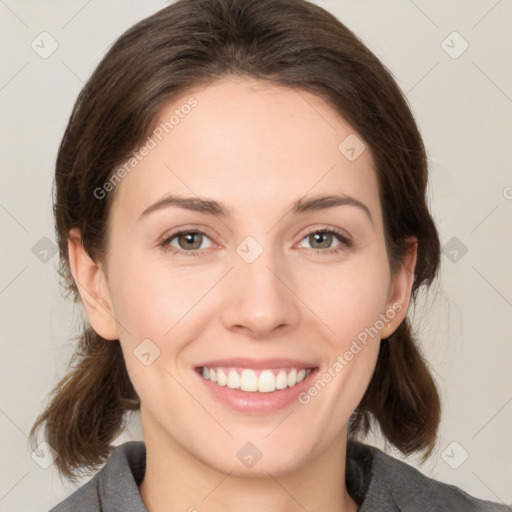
258	294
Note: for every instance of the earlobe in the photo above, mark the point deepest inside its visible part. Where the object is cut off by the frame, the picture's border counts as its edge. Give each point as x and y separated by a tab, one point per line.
93	287
400	290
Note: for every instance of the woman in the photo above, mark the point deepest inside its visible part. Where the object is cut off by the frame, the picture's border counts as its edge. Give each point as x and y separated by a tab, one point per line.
240	206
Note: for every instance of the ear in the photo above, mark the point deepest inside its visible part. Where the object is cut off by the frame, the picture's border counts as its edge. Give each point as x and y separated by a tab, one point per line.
400	291
92	285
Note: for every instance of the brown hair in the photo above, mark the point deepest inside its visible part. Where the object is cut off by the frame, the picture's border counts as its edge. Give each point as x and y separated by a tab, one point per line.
192	42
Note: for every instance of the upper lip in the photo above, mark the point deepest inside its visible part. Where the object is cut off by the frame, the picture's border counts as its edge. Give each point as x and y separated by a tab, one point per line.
257	364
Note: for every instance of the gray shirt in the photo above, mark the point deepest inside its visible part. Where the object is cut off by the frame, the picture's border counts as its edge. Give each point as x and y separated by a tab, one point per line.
376	480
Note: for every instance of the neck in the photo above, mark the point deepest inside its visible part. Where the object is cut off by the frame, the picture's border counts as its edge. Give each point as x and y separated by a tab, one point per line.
175	479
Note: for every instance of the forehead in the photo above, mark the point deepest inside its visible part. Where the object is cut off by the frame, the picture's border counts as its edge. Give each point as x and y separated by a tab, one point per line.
251	145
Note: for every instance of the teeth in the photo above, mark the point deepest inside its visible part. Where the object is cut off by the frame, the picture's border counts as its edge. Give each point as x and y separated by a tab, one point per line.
249	381
266	382
281	380
221	378
233	380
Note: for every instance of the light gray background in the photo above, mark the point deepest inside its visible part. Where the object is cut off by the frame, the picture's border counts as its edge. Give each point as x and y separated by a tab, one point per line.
464	109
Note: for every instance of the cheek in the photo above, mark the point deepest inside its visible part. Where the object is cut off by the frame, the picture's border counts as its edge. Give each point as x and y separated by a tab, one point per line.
350	304
350	299
154	303
150	296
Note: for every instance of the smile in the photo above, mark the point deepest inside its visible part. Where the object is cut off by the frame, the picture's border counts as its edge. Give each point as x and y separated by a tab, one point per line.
249	380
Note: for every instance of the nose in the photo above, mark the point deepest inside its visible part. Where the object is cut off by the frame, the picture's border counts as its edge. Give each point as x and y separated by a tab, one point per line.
261	299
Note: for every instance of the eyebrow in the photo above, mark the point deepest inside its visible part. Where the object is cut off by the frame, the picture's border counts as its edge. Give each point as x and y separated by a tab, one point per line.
212	207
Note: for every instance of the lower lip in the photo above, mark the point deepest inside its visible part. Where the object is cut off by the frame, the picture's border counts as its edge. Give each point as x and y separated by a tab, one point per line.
256	402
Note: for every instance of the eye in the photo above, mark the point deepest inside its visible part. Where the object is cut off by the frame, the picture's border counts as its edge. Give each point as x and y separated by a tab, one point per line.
324	238
189	243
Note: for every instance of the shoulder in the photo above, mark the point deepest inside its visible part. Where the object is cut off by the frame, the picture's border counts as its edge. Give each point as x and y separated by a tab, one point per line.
115	486
390	484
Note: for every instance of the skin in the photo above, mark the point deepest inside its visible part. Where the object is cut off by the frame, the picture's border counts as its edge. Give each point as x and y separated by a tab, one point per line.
256	148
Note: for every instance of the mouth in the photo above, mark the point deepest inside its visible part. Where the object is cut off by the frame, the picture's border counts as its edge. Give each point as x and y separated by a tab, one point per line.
255	380
256	386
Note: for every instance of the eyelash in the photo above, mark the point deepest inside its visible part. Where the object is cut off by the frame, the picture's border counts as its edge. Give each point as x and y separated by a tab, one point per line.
345	242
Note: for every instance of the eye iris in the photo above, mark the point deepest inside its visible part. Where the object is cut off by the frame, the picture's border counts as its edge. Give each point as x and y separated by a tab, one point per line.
188	237
321	238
